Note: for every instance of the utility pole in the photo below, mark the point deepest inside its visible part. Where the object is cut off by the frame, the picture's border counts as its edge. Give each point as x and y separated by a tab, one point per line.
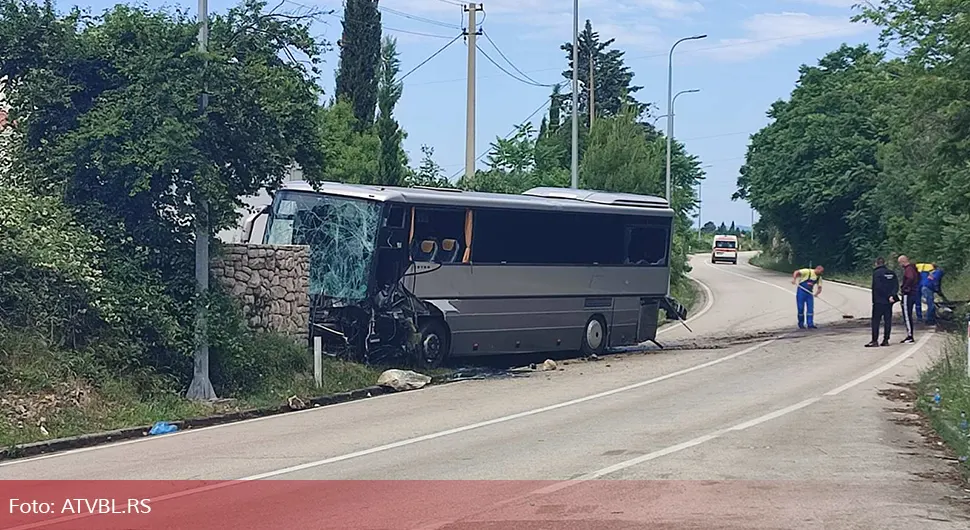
471	33
201	387
575	139
592	91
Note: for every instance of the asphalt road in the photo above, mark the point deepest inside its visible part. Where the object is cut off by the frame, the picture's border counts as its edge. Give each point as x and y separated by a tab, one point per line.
761	425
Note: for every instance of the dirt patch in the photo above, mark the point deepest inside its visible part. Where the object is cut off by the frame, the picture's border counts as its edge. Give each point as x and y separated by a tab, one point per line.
934	447
21	410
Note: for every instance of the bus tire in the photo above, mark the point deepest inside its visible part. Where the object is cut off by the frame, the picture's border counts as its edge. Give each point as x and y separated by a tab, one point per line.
594	336
434	345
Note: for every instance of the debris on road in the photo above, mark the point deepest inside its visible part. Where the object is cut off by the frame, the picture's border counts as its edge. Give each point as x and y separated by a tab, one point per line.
548	366
401	380
162	427
295	403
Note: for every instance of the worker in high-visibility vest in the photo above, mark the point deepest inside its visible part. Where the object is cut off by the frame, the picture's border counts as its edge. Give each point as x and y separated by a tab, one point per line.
924	270
809	282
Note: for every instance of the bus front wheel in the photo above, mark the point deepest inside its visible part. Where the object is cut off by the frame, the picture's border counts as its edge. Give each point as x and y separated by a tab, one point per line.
594	336
434	344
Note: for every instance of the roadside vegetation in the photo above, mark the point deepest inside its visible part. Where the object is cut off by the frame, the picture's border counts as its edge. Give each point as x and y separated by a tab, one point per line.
869	157
949	375
106	161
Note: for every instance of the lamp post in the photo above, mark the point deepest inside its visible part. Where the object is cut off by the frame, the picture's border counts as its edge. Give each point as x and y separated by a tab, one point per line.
677	95
575	124
670	103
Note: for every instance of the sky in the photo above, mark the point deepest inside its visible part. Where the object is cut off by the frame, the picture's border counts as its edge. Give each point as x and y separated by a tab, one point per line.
749	60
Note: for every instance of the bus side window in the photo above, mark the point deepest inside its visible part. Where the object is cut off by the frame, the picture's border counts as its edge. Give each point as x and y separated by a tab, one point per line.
647	245
438	233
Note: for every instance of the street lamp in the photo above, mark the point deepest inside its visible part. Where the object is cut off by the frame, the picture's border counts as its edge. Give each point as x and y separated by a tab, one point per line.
655	120
575	131
670	102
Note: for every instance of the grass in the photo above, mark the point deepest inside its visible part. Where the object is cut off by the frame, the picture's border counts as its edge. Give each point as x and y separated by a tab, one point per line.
42	395
949	375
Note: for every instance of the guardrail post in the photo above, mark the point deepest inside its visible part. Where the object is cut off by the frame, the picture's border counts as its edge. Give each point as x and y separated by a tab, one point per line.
318	360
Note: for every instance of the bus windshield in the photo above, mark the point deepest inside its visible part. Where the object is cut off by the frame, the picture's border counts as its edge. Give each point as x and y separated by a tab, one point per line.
725	244
341	234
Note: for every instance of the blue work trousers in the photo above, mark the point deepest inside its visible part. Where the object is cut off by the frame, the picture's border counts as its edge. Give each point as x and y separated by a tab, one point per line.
806	307
928	295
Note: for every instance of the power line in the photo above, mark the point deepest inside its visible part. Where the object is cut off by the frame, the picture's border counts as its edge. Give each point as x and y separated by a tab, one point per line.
433	55
510	74
659	55
418	18
516	68
717	135
512	132
344	20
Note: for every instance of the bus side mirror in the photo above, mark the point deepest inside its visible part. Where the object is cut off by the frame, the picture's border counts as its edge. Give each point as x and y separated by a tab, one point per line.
247	228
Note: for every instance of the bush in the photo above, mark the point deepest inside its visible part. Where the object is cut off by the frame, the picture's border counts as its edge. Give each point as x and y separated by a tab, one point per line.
245	362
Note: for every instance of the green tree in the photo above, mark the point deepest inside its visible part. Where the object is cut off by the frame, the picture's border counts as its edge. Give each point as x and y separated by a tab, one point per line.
923	191
360	59
429	172
722	230
612	79
351	155
809	170
709	228
108	111
518	163
393	160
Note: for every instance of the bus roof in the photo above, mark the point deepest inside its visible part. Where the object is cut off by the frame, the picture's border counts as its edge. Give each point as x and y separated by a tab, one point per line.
562	199
729	238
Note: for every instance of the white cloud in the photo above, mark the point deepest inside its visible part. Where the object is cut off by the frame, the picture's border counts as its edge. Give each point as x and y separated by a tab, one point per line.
539	9
667	8
766	32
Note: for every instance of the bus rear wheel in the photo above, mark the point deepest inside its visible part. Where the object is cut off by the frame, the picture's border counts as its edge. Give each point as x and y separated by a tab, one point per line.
434	344
594	336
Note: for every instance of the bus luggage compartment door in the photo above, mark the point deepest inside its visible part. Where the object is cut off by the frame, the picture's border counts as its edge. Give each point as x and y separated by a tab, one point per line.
647	325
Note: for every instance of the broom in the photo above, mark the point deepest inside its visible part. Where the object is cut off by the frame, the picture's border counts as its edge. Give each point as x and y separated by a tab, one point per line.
844	314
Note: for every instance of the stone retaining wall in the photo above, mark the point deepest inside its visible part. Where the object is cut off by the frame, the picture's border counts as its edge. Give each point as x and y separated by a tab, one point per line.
271	282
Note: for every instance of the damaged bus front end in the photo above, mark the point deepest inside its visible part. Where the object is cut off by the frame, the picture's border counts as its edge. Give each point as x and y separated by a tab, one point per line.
358	258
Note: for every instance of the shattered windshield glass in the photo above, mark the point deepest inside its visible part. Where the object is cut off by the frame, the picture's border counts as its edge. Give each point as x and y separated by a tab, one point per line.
341	234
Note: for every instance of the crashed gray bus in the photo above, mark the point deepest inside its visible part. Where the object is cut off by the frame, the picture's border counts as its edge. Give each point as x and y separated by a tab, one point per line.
441	273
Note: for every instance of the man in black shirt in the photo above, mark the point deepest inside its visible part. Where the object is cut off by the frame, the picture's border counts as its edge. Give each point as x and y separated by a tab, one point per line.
885	286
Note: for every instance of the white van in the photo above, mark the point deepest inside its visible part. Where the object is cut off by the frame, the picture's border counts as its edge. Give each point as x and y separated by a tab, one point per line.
725	248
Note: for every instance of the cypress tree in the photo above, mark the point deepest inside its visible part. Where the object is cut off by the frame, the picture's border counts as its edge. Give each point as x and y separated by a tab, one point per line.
360	57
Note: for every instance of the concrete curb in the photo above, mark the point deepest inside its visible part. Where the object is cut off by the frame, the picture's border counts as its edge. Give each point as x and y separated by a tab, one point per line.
101	438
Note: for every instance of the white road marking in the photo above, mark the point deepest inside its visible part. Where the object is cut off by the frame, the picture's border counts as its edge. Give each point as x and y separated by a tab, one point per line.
759	420
503	419
769	284
708	294
902	357
196	430
559	486
707	307
424	438
746	277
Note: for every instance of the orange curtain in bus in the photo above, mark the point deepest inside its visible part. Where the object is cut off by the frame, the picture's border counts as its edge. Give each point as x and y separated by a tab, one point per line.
468	237
411	235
